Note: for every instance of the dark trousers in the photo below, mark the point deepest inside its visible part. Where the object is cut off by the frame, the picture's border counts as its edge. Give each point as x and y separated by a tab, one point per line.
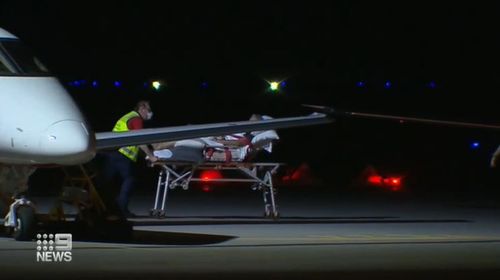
118	167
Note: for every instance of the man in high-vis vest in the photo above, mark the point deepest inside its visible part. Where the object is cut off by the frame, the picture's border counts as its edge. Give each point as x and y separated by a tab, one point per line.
120	163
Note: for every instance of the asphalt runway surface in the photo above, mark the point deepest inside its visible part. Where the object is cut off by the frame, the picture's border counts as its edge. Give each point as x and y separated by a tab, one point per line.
321	235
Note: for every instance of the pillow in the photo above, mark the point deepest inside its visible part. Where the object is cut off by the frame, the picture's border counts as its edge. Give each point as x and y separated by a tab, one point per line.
165	153
264	138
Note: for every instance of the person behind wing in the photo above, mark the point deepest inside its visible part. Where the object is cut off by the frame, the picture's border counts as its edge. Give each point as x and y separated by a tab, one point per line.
121	163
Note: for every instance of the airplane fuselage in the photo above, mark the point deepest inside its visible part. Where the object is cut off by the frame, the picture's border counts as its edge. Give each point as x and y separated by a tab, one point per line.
39	121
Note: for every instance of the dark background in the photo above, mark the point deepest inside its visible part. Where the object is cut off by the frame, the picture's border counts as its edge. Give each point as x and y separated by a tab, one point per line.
215	57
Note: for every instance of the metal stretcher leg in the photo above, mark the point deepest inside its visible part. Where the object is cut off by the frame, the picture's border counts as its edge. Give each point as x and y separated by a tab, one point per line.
161	192
154	211
270	207
260	174
164	201
158	190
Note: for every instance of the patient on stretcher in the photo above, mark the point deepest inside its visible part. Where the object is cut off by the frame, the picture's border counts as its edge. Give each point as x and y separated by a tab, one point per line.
229	148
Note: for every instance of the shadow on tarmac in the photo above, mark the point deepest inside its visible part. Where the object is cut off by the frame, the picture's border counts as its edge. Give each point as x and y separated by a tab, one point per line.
253	220
123	233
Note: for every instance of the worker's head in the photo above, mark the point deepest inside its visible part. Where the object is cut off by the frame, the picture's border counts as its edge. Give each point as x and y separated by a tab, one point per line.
144	109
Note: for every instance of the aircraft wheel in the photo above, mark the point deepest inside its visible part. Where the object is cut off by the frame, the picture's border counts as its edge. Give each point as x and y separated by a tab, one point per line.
26	224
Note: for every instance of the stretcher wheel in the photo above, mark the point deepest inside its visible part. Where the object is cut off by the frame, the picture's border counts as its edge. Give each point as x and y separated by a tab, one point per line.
162	213
153	212
275	216
269	213
156	213
25	224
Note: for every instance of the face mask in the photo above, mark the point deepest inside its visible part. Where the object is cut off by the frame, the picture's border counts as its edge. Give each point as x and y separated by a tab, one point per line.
149	116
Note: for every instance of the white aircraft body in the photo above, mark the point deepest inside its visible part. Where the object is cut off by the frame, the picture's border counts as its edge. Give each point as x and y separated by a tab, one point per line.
40	124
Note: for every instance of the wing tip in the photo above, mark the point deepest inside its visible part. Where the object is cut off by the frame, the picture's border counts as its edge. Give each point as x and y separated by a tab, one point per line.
320	109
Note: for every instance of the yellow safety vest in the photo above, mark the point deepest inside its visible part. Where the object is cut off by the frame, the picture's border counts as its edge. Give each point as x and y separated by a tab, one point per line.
121	126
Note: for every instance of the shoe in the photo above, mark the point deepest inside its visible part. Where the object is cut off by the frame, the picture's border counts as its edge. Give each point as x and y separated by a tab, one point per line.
129	214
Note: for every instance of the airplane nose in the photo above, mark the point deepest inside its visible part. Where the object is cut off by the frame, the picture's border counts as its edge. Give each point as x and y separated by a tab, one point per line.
68	142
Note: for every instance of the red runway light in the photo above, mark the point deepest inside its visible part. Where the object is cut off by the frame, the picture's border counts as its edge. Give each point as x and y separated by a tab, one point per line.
208	175
393	183
375	180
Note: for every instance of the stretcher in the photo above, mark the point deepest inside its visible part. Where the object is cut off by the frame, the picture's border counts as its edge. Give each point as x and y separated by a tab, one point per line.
182	162
180	174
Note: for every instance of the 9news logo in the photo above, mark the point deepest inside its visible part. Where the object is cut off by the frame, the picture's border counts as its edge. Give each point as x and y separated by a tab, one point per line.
54	247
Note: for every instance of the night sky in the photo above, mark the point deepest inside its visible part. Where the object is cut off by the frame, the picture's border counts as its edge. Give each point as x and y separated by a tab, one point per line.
346	41
441	59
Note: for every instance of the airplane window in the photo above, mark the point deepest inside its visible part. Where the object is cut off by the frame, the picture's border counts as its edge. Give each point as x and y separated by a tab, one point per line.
24	58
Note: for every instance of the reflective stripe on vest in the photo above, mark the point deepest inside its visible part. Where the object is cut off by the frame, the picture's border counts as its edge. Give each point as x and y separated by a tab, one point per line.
130	152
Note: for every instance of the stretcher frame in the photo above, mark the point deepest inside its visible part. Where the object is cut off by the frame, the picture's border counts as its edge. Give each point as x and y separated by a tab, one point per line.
260	174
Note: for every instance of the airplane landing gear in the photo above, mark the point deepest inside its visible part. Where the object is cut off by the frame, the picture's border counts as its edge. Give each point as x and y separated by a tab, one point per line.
25	224
21	222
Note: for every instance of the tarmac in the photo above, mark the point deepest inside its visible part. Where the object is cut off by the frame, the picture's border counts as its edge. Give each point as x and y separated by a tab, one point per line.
321	234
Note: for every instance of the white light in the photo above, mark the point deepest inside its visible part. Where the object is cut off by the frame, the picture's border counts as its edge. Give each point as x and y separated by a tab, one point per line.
274	85
156	85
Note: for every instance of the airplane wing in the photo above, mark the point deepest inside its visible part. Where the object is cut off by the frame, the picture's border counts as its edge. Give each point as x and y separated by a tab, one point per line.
105	140
402	119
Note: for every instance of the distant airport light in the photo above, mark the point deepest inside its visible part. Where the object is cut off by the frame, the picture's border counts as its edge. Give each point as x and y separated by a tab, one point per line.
360	84
474	145
393	183
388	84
432	84
156	85
375	180
274	86
95	84
117	84
204	85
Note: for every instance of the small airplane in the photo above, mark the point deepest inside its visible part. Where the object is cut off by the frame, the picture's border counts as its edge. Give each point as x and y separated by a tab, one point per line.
41	125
